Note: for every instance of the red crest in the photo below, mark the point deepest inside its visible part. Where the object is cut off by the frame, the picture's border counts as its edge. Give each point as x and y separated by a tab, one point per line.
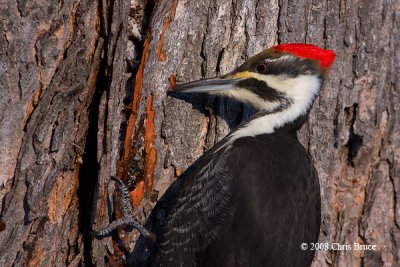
325	57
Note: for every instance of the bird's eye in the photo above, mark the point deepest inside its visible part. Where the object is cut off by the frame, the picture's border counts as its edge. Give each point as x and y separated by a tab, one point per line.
261	67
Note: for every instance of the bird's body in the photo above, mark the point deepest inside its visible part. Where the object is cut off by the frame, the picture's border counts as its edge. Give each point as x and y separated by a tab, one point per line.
252	221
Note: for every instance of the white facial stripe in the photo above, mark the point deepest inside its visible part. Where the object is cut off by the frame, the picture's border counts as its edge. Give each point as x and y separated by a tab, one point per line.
301	90
251	98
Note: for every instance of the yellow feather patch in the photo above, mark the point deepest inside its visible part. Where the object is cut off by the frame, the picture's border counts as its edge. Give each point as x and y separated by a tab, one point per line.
244	74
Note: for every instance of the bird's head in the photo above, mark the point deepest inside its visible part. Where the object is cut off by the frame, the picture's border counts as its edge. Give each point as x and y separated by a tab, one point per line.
274	80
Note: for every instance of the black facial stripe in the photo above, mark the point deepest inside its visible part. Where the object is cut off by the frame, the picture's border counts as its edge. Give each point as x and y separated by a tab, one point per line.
261	89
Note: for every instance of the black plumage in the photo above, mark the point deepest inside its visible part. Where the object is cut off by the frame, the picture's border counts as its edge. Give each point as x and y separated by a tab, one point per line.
239	207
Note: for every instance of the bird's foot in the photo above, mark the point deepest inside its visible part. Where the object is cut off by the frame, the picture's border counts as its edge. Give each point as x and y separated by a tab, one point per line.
127	221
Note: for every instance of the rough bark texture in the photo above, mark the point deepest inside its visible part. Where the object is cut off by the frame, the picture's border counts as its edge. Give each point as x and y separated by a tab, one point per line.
61	75
62	79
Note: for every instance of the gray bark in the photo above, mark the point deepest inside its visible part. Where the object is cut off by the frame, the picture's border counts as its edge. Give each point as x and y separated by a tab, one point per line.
53	57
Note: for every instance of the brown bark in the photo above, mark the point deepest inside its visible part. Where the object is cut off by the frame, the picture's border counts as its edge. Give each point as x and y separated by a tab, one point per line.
61	63
63	82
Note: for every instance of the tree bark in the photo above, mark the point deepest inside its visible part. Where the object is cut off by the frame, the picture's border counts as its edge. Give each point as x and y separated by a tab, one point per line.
62	131
62	73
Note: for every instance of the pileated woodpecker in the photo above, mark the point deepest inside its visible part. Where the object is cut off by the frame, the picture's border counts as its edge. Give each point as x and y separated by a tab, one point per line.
253	199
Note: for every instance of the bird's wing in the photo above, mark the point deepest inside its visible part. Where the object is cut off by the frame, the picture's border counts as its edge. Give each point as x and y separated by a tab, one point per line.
199	210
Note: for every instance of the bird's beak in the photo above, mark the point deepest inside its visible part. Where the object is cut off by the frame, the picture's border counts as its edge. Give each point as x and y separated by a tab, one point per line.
208	85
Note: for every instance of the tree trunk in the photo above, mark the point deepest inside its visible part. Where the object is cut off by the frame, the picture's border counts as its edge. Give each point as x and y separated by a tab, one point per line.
62	131
62	76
